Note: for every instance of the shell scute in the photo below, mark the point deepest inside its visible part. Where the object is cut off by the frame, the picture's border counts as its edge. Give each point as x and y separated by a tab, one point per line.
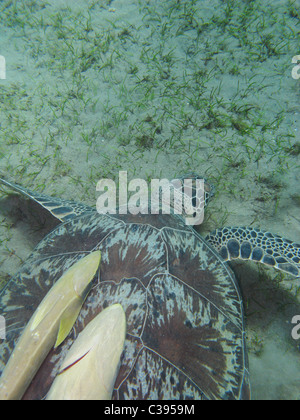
185	331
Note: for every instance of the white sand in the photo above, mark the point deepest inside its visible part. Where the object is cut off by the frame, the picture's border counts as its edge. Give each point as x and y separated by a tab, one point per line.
159	91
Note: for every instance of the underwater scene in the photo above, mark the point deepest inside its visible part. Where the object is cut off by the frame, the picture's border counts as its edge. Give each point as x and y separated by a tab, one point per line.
95	90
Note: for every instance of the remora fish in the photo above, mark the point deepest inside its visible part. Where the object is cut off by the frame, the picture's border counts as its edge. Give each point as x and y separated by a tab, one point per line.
91	366
48	327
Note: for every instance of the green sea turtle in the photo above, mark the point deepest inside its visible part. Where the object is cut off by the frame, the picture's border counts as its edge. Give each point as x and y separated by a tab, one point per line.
184	312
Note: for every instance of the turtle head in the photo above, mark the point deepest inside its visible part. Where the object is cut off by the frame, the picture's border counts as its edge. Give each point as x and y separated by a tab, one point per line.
196	193
209	189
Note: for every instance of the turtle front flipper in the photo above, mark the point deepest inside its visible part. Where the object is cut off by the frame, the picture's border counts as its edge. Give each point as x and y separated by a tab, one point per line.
61	209
247	243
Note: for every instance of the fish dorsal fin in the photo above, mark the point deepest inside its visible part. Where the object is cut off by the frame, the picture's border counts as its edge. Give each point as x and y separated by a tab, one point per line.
66	323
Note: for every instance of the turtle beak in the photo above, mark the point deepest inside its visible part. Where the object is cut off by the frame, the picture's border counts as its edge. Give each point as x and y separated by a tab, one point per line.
91	366
48	327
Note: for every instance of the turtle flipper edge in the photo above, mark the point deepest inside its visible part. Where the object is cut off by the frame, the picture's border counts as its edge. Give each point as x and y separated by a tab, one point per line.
61	209
247	243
